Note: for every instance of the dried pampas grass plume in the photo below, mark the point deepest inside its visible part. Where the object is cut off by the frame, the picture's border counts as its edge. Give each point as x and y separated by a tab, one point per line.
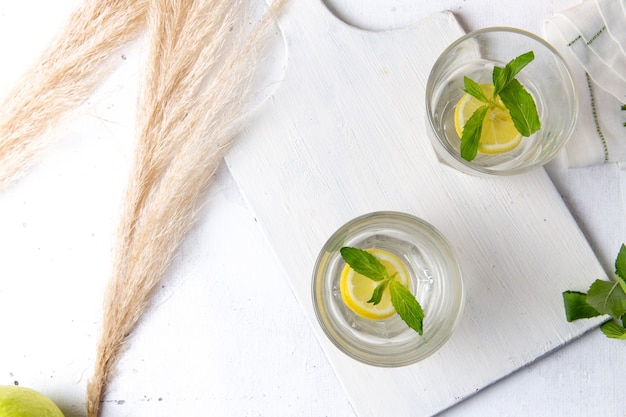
201	67
62	78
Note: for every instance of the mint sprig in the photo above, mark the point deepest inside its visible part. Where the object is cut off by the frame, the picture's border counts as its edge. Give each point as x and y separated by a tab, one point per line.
602	298
405	304
508	93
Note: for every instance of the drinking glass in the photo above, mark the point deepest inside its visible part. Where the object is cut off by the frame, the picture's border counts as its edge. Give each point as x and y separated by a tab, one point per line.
547	78
435	279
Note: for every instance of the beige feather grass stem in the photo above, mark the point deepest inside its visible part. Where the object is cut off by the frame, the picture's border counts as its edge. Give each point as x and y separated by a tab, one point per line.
62	78
185	124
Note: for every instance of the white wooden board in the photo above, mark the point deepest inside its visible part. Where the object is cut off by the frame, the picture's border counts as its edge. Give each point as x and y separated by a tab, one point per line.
343	135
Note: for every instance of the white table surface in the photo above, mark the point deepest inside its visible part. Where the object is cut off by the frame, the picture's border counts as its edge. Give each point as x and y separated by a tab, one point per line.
232	340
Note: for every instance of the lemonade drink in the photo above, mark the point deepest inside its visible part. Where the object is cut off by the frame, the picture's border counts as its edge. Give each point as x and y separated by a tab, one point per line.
546	78
425	264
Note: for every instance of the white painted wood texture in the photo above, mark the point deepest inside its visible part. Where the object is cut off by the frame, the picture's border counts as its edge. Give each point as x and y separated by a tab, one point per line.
344	135
213	342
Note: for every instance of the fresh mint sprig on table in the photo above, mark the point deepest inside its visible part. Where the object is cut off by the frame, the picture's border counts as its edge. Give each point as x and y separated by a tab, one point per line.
508	92
405	304
603	298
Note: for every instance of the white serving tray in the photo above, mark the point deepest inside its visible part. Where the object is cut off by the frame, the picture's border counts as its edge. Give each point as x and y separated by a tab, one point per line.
344	134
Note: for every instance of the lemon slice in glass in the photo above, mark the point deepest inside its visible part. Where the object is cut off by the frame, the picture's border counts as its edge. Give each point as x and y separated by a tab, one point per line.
357	289
498	134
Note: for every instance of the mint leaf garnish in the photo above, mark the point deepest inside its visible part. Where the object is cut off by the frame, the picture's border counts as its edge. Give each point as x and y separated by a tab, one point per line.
407	306
576	306
377	295
403	301
603	298
503	76
620	267
364	263
471	133
521	107
508	92
613	330
608	298
473	89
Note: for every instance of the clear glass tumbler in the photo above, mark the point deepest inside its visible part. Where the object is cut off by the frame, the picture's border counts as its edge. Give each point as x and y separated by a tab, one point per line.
547	78
435	282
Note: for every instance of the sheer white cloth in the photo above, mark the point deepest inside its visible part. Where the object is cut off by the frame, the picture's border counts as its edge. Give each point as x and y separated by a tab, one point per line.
591	37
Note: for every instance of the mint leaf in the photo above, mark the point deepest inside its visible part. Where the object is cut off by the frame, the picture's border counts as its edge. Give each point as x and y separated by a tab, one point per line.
473	89
576	306
364	263
620	262
613	330
604	297
407	306
620	267
503	76
471	133
522	108
608	298
377	295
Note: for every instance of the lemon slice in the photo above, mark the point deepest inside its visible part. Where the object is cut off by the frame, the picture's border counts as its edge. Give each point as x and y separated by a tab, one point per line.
498	134
356	289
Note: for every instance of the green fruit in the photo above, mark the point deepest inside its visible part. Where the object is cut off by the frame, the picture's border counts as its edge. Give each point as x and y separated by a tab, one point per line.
18	401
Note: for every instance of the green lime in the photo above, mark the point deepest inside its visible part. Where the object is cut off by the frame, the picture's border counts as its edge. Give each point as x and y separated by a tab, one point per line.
16	401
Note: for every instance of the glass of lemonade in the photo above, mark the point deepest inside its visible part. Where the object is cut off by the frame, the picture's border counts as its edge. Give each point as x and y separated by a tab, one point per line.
425	259
547	79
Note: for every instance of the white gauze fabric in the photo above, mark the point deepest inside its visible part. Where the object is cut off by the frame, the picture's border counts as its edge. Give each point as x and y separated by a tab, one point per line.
591	37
